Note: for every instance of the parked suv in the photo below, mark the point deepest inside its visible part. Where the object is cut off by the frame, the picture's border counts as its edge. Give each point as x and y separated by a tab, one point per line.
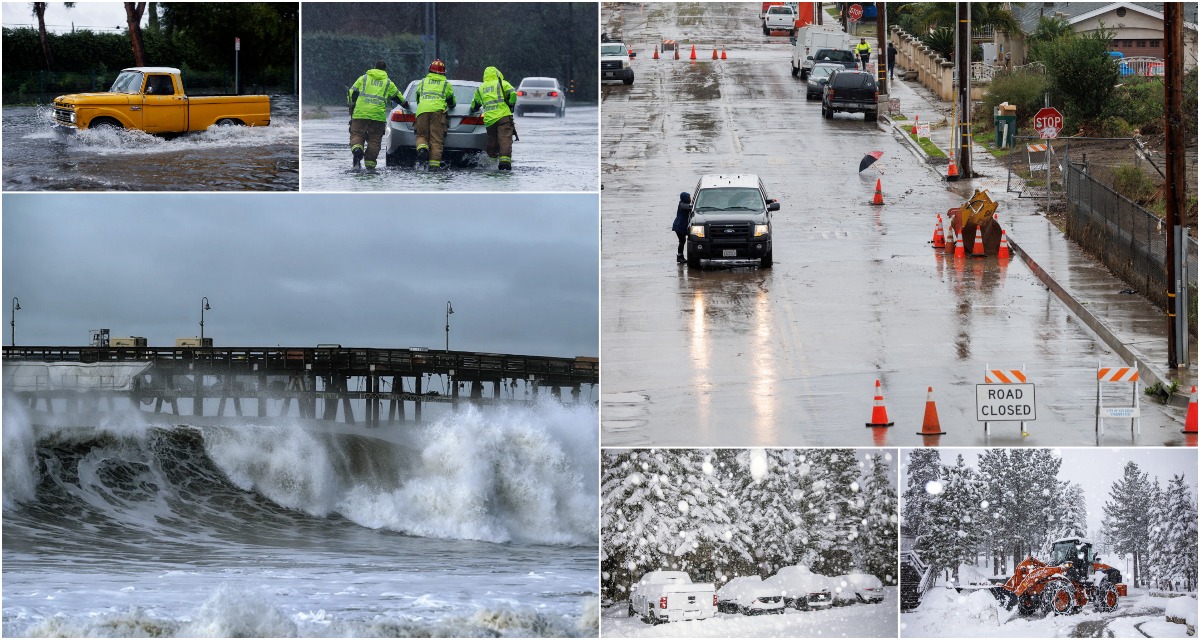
730	220
853	91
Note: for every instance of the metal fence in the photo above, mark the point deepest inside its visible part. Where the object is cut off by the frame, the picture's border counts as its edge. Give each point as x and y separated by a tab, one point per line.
1130	240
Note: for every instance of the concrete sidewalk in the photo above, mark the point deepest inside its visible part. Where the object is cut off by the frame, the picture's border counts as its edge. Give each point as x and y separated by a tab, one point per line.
1128	324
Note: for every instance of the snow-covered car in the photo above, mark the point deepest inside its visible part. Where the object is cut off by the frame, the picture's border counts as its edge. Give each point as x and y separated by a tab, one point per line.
863	587
667	596
541	94
748	595
466	136
801	588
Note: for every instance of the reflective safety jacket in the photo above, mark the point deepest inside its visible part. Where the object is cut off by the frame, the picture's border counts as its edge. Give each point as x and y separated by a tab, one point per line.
434	93
862	47
370	94
495	97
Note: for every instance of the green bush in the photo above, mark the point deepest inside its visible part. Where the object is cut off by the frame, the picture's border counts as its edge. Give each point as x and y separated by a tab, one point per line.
1133	183
1139	102
940	40
1082	76
1025	90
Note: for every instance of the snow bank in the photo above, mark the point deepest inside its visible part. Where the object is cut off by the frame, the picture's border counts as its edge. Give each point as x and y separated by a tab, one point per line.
1183	608
944	610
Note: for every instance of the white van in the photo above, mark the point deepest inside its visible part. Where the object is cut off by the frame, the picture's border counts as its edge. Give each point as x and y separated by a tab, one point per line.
811	38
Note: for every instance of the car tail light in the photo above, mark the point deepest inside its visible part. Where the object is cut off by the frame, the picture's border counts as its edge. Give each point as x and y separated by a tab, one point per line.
714	599
830	92
520	93
553	94
662	602
400	116
473	120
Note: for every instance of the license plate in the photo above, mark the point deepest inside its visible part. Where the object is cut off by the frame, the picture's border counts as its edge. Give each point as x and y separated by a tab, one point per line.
609	74
729	253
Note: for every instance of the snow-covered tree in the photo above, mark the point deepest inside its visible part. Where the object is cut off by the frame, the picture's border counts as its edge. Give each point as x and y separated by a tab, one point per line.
999	506
877	542
1128	516
840	475
1178	560
923	466
1070	519
954	517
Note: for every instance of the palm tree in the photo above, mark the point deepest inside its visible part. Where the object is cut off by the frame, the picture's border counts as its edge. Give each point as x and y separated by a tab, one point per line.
39	10
984	15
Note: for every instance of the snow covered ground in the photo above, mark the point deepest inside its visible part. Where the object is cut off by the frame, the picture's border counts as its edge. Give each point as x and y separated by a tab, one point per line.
945	612
855	621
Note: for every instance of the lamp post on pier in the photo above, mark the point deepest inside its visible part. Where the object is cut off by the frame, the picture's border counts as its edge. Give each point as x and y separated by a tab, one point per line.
203	307
449	310
16	306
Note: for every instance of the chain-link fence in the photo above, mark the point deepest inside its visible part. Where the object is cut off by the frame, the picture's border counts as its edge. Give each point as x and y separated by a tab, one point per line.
41	87
1131	241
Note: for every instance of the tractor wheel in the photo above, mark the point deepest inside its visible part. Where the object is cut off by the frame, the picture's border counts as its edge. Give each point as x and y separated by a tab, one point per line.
1106	597
1058	598
1027	605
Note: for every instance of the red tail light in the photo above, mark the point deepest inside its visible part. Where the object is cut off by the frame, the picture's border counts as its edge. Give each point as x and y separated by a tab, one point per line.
473	120
714	599
553	94
662	602
400	116
520	93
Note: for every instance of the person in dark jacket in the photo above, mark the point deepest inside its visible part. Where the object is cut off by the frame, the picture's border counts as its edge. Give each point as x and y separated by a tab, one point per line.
682	213
891	58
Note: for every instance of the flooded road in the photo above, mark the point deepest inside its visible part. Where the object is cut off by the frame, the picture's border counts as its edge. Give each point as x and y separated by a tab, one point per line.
221	159
553	154
788	356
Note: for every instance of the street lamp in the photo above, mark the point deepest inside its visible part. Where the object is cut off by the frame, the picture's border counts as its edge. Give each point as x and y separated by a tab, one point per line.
13	323
203	307
449	310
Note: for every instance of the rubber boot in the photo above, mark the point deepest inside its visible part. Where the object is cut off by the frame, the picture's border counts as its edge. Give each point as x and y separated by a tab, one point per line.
422	154
358	156
679	258
370	165
505	163
435	166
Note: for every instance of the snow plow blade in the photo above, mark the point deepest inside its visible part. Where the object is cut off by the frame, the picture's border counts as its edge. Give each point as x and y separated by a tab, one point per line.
1005	597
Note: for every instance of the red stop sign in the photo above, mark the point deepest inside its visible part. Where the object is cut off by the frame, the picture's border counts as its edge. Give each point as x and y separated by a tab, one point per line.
856	12
1048	122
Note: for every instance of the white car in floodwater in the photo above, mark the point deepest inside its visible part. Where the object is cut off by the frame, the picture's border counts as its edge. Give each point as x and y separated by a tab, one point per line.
466	136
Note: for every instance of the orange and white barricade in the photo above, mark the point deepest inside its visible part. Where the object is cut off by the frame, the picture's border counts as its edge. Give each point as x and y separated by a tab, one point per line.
1117	375
1004	376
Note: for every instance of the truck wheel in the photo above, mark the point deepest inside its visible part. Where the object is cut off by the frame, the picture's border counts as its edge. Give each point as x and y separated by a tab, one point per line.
872	116
227	122
1058	598
803	74
628	80
693	260
795	72
1106	597
768	260
105	124
1027	606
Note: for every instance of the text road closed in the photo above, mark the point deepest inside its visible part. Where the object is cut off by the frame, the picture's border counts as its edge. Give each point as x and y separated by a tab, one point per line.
1000	402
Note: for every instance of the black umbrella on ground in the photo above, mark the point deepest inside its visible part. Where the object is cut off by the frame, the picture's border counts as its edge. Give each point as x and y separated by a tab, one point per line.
869	159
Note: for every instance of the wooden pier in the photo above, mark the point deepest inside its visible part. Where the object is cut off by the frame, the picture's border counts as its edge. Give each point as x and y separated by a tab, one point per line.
315	380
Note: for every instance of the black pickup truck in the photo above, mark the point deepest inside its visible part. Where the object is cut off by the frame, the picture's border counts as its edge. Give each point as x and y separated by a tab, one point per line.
851	90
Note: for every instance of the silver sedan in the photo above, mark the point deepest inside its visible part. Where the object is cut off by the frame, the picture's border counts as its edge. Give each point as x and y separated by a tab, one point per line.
541	94
466	136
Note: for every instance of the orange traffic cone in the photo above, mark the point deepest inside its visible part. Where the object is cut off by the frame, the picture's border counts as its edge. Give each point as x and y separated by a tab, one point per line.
952	172
977	250
1189	425
936	227
879	412
656	52
723	53
676	52
930	425
914	129
714	52
631	53
693	52
1003	252
878	194
959	251
939	236
950	239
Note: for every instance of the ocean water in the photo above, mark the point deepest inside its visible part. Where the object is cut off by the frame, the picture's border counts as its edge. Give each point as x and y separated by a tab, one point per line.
480	523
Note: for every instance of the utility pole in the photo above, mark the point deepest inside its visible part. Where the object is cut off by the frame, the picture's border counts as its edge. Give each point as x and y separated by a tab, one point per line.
963	68
1176	178
881	56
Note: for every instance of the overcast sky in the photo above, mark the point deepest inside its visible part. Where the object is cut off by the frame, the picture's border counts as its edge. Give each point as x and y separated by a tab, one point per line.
1097	469
97	16
522	271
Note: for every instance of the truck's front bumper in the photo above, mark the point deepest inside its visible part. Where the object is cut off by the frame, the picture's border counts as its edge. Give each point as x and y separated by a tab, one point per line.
744	250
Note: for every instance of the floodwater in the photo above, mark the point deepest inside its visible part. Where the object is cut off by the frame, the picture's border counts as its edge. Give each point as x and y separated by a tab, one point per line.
36	157
553	154
737	355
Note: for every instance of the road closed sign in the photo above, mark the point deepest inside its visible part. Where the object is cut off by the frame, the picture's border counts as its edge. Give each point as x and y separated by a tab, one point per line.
1005	402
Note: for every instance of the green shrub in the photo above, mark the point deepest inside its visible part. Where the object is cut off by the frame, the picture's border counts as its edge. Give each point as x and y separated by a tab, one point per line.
1025	90
940	40
1132	183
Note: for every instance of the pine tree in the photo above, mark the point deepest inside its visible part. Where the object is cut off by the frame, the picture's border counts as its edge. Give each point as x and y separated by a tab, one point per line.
923	466
954	519
1158	549
839	481
999	506
1129	518
1181	534
877	544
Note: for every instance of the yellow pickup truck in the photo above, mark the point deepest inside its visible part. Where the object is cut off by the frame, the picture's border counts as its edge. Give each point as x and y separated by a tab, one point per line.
152	99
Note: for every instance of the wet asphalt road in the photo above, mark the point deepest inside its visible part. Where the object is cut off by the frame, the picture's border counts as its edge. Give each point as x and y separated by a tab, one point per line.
788	356
221	159
553	154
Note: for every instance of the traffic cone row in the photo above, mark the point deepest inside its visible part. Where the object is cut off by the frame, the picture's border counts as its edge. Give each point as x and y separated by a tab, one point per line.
930	424
1189	424
878	192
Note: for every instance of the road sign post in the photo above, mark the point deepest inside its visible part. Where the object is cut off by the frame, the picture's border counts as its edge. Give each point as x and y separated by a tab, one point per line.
1048	122
237	47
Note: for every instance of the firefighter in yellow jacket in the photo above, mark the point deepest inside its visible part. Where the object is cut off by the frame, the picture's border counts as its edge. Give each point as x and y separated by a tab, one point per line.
369	99
496	97
435	97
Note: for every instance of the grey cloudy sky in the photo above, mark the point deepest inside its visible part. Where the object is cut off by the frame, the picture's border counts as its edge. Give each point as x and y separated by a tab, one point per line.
96	16
1097	469
522	271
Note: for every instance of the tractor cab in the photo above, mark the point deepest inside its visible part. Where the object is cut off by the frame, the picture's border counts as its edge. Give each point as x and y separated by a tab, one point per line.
1076	552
